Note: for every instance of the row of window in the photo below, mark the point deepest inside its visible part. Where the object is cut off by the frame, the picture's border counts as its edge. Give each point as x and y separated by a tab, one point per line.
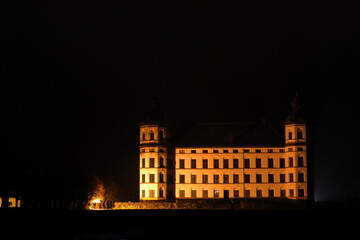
151	136
226	178
226	193
270	150
235	163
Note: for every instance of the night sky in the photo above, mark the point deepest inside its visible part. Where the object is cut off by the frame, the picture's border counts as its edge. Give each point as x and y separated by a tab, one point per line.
76	79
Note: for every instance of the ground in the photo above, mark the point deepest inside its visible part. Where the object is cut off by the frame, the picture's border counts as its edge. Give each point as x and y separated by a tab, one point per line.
182	224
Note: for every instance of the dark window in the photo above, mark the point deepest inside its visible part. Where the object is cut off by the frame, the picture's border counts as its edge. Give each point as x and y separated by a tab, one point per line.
282	193
225	151
258	163
216	163
152	178
182	163
236	194
299	134
235	163
291	192
226	178
143	178
258	178
247	178
290	135
300	161
205	193
143	136
246	150
143	162
291	162
205	178
282	162
271	178
270	163
152	136
226	163
215	151
235	151
182	178
300	177
236	178
247	193
301	192
258	150
205	151
161	160
142	193
161	192
226	194
193	193
182	193
282	178
193	163
216	178
246	163
291	177
152	162
193	178
151	193
271	193
162	179
259	193
205	163
193	151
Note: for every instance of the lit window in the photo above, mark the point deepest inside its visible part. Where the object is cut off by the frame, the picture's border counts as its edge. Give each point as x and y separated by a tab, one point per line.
216	193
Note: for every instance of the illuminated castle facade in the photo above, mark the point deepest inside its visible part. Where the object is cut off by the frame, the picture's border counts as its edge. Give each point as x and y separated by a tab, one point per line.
224	160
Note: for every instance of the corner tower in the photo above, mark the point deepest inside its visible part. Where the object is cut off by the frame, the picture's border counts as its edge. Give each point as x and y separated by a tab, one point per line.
296	153
153	155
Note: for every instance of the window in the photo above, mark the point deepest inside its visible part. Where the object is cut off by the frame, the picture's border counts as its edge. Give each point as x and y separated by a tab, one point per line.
161	160
205	178
300	161
182	178
258	178
161	150
259	193
235	163
258	150
291	192
193	151
216	163
142	193
236	193
205	193
271	193
271	178
291	177
246	150
182	193
205	163
291	162
258	163
226	178
205	151
247	193
152	136
301	192
142	178
161	178
151	150
161	192
193	193
299	133
270	163
282	193
225	151
193	178
182	163
226	163
193	163
181	151
161	136
236	178
282	150
152	178
152	162
216	193
143	162
143	136
282	162
247	178
215	151
216	178
235	150
300	177
270	150
246	163
300	149
290	135
282	178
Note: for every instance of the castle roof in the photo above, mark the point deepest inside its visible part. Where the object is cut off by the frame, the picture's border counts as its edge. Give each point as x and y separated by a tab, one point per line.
231	135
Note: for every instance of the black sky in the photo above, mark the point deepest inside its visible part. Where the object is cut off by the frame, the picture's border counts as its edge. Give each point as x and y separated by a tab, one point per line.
76	78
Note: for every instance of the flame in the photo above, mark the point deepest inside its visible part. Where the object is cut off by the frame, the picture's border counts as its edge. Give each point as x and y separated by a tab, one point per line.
98	194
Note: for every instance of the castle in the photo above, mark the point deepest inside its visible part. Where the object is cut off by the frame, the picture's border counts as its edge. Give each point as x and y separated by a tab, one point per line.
224	160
